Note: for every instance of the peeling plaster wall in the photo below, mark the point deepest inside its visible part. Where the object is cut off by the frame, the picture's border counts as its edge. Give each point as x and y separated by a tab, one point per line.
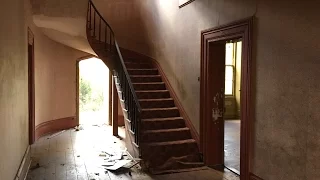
63	21
55	76
13	87
286	65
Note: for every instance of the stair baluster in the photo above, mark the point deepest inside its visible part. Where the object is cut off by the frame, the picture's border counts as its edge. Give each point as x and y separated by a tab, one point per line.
102	33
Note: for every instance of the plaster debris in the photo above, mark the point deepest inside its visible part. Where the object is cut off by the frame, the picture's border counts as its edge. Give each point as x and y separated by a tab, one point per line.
118	165
78	128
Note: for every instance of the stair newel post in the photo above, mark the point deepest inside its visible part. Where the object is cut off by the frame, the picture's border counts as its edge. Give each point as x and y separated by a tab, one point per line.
110	40
99	29
138	128
90	14
94	23
125	94
105	36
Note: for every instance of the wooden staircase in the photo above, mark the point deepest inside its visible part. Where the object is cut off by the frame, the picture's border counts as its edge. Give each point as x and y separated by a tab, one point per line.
153	120
166	143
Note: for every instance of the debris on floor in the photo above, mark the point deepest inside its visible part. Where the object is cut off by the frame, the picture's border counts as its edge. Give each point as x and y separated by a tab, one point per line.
78	128
35	167
117	159
118	164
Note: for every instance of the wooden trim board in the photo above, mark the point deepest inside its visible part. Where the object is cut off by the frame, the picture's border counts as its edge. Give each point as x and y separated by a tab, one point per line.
254	177
55	125
241	29
24	166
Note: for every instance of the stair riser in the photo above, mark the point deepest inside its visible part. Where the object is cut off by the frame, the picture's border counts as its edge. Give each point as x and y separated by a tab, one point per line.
157	104
163	124
142	87
143	72
166	136
135	60
146	79
157	155
138	65
153	95
159	114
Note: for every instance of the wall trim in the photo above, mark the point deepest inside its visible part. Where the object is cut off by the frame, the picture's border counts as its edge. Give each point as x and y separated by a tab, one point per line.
55	125
24	166
254	177
132	54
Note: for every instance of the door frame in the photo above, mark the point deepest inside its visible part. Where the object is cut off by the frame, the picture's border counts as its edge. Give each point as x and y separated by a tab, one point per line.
31	87
241	29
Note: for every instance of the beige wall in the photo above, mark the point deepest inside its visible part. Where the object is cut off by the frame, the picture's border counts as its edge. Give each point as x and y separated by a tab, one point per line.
286	65
55	82
13	88
55	77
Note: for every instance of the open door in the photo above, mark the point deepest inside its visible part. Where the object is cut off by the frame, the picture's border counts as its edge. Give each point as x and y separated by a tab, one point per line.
214	122
212	93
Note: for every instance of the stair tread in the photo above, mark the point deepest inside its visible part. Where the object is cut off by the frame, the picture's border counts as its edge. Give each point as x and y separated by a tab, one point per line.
156	109
162	119
186	141
153	91
142	69
149	83
128	62
178	170
145	75
166	130
160	99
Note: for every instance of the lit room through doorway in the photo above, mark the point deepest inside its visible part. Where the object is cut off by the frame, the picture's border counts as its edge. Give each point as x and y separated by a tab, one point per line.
232	121
93	92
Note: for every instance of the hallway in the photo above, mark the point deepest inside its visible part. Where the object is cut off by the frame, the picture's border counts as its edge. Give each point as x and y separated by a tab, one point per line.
74	155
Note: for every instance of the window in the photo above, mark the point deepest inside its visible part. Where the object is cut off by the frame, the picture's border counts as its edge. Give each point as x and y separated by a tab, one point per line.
229	71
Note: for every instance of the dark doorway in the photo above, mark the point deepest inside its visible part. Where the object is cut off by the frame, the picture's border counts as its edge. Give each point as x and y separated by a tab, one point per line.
213	94
31	103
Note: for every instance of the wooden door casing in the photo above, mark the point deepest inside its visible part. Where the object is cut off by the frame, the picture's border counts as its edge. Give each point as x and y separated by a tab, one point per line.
241	29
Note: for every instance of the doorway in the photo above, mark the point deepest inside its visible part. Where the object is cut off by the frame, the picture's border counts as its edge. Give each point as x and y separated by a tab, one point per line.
214	94
93	92
31	96
232	105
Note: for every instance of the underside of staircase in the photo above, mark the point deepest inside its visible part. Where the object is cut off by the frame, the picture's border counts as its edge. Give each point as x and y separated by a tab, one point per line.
166	142
154	124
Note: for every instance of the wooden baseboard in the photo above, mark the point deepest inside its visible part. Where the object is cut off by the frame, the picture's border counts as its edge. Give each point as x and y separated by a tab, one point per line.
24	166
254	177
55	125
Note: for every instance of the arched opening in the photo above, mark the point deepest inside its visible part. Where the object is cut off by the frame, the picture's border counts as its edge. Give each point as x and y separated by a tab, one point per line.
93	96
